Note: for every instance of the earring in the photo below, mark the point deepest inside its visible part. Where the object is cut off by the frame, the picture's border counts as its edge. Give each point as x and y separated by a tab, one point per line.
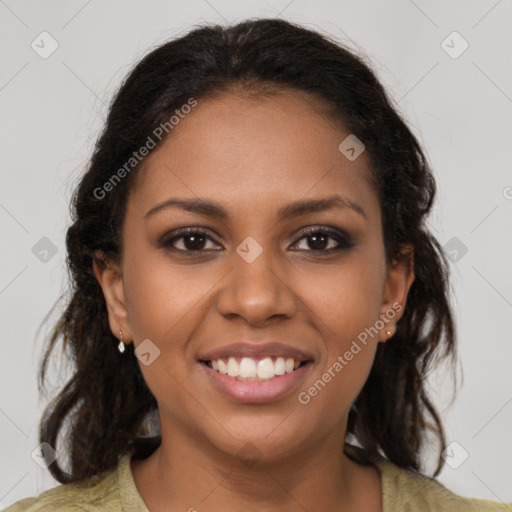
121	345
389	334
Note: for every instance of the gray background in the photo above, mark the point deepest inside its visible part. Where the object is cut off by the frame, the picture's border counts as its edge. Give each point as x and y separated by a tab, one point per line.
459	105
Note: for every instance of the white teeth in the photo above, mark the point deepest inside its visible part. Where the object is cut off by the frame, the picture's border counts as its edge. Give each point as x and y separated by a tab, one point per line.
279	366
223	367
233	367
251	369
266	368
247	368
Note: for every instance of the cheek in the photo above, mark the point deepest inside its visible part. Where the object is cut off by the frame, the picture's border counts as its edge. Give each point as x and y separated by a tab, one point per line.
164	306
345	306
162	297
345	299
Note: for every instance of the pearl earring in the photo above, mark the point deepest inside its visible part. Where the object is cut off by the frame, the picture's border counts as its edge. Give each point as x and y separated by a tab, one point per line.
121	345
389	334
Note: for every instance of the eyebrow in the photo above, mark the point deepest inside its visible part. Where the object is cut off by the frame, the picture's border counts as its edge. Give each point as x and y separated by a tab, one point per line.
295	209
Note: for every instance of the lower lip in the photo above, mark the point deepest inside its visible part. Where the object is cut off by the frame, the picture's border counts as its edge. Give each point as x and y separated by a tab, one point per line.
254	392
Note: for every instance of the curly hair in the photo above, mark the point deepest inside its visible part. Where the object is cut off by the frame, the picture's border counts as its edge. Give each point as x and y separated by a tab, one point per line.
106	402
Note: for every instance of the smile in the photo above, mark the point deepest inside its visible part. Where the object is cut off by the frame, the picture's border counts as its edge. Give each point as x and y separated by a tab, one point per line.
251	369
251	390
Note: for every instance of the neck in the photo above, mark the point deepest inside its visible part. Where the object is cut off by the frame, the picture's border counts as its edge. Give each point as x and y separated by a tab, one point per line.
192	474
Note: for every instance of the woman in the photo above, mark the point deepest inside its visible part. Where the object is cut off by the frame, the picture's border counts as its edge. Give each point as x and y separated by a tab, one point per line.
250	262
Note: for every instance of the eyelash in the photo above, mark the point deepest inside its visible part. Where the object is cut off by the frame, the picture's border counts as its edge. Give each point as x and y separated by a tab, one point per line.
344	241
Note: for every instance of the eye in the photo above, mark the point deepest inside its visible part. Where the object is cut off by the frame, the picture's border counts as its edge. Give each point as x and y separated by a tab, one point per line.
319	240
191	240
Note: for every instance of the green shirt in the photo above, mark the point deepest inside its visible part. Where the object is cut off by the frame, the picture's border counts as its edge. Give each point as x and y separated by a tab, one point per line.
115	491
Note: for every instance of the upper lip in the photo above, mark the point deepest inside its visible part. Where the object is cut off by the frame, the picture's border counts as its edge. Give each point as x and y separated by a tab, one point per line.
247	349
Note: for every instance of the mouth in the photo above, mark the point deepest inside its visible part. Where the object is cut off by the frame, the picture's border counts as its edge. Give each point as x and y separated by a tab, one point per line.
252	369
255	381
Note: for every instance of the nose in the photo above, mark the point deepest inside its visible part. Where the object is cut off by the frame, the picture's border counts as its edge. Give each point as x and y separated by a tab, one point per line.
257	291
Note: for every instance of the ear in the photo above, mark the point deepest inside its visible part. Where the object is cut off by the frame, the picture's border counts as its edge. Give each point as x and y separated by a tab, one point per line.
110	279
398	282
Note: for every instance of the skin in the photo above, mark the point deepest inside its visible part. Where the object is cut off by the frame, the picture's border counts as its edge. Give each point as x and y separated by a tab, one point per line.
254	156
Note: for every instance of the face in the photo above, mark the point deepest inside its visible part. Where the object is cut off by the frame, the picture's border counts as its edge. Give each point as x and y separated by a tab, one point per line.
254	275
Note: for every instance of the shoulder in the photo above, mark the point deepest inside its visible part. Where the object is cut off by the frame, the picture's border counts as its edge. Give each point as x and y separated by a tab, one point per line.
100	492
409	491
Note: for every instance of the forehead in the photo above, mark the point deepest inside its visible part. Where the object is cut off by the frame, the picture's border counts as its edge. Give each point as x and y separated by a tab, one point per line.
239	148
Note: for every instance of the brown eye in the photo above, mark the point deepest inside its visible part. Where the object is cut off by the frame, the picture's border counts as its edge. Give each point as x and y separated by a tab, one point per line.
191	240
325	240
318	240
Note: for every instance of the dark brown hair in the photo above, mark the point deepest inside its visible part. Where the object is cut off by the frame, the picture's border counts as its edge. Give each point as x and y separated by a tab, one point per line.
106	402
